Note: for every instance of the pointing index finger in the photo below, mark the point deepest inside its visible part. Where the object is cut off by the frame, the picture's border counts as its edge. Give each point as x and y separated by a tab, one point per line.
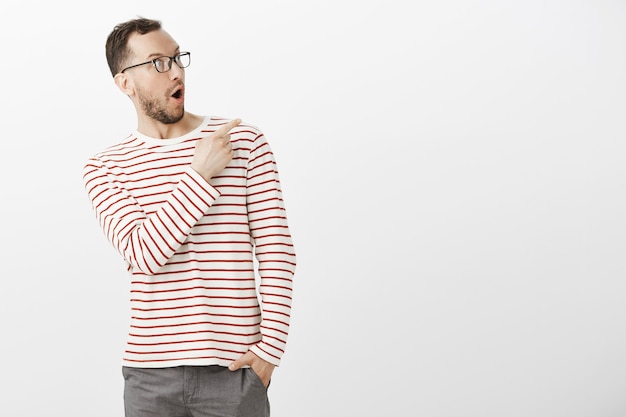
227	127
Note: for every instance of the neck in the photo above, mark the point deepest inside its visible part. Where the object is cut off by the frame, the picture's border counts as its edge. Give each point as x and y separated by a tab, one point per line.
155	129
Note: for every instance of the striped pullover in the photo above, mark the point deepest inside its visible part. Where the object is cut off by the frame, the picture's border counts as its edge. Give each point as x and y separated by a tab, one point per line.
191	246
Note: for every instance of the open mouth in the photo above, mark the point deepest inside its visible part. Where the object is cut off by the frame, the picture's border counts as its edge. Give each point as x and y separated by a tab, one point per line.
177	94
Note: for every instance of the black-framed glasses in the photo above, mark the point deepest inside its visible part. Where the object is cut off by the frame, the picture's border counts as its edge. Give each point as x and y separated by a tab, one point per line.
164	63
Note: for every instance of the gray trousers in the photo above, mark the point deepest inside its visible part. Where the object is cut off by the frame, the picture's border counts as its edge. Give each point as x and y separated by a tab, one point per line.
194	391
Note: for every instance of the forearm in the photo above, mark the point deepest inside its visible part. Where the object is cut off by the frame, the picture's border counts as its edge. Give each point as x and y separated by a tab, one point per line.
147	241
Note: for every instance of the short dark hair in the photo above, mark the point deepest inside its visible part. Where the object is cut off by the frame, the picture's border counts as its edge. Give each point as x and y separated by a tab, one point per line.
117	51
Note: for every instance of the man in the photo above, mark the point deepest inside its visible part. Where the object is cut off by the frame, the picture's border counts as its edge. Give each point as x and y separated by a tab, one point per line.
189	201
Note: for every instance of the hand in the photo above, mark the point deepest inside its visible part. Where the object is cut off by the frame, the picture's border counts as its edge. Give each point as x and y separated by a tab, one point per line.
214	152
262	368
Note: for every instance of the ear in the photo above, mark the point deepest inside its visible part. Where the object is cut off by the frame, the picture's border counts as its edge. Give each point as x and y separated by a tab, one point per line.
124	83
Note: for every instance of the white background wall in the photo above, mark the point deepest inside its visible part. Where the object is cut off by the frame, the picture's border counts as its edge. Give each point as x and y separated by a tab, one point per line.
454	178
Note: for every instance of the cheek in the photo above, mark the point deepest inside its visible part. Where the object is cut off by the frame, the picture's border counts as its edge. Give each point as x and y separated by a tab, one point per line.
146	91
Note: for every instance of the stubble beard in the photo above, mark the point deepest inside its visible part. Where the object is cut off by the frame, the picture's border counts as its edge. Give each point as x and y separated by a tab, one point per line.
152	108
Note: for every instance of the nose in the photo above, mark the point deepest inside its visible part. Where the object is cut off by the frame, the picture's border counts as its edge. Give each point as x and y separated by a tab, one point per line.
176	72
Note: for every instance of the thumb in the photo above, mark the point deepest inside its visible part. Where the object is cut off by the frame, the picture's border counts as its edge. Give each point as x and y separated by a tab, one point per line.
244	359
235	365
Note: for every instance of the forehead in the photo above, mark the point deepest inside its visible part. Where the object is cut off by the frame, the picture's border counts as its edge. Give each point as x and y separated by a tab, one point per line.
157	42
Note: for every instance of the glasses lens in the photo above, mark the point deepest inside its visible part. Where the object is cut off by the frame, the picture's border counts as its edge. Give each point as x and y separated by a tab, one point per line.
183	59
163	64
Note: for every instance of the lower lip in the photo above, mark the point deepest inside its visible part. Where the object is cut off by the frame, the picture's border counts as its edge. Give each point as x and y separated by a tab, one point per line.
180	99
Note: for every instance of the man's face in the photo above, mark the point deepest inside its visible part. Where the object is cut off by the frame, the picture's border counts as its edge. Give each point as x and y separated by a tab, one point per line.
161	96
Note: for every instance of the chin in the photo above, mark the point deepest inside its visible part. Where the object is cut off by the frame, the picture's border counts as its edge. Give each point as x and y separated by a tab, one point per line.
181	114
168	119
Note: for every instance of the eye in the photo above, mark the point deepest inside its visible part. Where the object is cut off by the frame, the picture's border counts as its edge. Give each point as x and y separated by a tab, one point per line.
161	64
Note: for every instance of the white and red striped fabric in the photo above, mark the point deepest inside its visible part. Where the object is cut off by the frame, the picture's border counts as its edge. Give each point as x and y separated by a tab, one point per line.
190	247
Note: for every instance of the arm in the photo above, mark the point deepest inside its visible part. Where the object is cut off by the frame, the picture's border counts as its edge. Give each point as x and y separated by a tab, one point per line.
147	242
276	257
274	250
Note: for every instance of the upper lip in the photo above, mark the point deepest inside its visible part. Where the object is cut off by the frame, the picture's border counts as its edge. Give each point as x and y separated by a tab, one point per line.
177	88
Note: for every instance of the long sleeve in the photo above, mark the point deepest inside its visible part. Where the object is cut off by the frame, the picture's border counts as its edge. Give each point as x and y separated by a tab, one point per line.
274	249
146	242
